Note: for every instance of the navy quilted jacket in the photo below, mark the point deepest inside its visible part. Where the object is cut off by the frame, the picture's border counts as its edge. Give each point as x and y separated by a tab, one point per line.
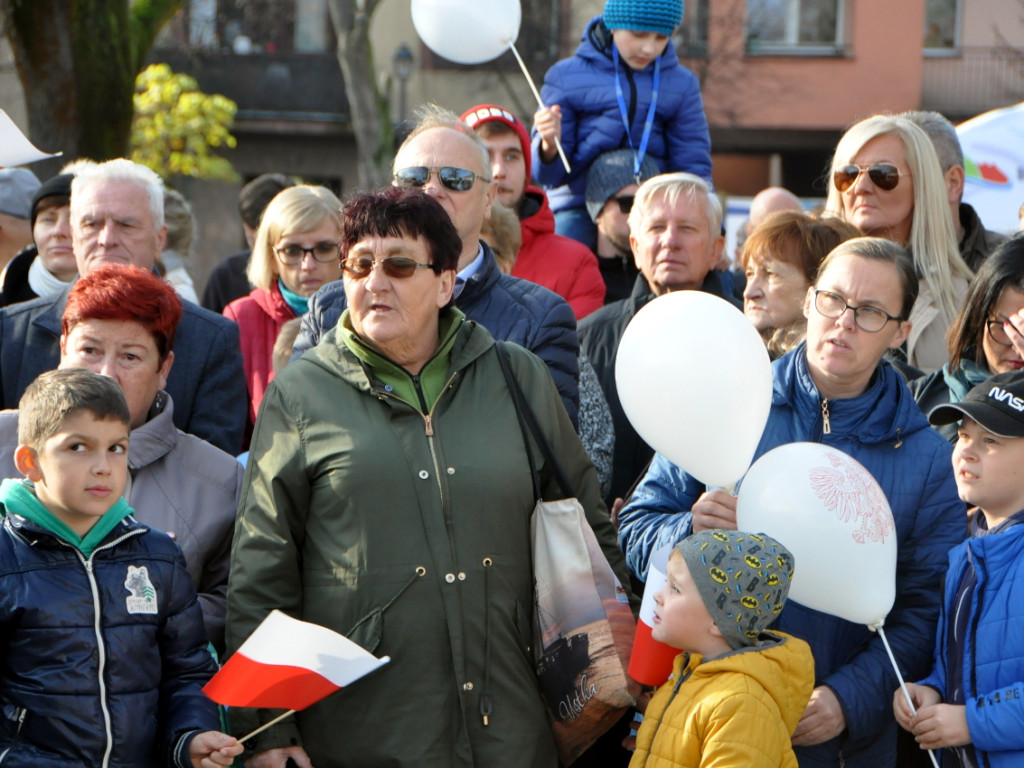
83	666
509	308
584	87
885	431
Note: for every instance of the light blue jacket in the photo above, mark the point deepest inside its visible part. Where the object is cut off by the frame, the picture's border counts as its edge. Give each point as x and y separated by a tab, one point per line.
993	670
885	431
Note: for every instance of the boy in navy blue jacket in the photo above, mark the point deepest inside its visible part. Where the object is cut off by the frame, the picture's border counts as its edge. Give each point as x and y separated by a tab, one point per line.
972	704
103	653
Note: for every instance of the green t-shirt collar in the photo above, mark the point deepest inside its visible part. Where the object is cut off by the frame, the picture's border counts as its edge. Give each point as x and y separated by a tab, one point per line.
18	496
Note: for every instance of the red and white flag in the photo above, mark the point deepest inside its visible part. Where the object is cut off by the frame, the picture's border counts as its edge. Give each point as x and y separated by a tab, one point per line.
289	664
651	660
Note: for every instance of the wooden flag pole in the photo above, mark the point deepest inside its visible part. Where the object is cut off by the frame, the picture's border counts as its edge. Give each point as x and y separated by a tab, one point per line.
536	94
264	727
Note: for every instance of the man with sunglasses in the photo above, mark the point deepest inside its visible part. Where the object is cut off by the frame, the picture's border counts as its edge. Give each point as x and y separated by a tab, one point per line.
445	157
611	187
561	264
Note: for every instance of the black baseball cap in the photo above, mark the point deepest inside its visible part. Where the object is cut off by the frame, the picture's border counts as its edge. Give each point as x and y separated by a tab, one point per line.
997	404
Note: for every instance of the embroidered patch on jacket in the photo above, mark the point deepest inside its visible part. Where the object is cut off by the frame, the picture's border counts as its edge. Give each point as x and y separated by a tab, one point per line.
143	593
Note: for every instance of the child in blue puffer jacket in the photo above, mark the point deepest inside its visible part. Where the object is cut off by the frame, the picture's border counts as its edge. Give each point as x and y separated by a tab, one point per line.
972	704
103	652
623	88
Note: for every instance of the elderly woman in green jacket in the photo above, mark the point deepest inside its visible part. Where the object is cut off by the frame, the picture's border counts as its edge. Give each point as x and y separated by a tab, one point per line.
388	497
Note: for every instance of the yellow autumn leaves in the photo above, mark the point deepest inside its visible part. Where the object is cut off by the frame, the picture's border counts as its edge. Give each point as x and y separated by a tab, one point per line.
176	126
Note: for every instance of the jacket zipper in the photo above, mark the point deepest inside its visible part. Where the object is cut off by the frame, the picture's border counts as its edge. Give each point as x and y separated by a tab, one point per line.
684	675
17	732
826	425
100	646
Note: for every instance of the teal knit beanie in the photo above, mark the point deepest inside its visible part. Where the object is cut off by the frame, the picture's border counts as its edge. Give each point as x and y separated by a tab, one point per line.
658	16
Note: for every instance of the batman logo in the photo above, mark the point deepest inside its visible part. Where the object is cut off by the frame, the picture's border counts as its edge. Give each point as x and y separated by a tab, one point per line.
752	561
719	575
720	536
748	602
773	580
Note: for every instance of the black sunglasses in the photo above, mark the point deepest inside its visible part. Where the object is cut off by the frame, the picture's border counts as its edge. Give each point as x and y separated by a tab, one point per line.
455	179
625	202
399	267
883	175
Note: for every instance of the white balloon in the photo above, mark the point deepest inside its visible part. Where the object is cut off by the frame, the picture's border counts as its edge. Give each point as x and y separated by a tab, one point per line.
467	31
828	510
695	381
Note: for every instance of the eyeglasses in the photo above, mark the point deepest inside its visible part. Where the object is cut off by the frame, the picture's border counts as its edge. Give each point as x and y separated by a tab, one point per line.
870	319
997	333
399	267
293	253
883	175
625	202
455	179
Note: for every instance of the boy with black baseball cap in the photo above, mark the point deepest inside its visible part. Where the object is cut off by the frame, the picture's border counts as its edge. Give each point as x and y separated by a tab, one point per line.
973	701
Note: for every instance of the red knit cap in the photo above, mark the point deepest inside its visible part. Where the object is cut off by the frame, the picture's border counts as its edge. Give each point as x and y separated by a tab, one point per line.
492	113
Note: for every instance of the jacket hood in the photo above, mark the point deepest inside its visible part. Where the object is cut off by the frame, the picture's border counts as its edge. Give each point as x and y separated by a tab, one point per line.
885	412
331	354
782	665
596	44
541	221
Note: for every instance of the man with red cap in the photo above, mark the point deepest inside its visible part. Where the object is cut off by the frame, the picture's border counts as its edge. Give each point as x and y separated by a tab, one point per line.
563	265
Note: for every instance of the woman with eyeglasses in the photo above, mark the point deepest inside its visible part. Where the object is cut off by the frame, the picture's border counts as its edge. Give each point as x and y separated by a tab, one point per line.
837	389
295	252
388	498
886	180
986	337
780	260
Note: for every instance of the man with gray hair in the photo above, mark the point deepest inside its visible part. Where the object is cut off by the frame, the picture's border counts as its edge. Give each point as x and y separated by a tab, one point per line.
676	238
117	217
975	241
17	187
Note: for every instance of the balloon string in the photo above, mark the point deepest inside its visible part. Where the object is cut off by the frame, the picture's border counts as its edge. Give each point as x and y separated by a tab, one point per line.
903	685
536	95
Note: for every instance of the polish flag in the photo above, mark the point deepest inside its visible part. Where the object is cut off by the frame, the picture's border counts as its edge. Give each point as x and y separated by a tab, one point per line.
651	660
289	664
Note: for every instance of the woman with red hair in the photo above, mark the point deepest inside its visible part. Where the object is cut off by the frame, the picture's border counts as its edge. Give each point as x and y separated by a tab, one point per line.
120	321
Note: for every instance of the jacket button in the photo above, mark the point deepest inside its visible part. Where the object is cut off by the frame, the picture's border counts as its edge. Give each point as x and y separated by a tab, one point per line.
462	576
424	474
451	470
450	578
467	686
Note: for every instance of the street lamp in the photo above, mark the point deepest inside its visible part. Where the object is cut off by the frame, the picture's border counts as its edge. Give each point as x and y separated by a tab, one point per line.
402	61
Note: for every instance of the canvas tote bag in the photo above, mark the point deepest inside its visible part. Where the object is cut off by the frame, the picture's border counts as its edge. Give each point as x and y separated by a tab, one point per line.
583	625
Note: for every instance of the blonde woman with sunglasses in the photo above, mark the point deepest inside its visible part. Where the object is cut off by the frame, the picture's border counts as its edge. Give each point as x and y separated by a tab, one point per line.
294	253
886	180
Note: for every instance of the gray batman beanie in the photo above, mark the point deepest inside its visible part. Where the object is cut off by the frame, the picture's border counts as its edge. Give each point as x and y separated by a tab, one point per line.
743	579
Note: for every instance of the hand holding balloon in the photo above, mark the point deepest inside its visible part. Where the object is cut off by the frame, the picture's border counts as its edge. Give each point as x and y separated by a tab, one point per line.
714	509
548	122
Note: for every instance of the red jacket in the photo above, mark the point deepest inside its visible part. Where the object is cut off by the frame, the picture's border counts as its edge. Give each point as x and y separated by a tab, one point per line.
560	264
260	316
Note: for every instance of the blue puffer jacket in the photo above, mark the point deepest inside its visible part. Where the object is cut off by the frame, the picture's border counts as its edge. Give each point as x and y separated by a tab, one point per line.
884	430
584	87
80	668
509	308
993	671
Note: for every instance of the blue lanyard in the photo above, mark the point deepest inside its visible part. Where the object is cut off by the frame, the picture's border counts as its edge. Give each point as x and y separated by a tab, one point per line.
638	157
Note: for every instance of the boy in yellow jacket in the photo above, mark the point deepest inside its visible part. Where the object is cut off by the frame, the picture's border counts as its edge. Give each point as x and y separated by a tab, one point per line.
737	691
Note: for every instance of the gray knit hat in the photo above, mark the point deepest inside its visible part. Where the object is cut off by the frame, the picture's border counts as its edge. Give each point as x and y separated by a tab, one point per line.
611	172
658	16
743	579
17	185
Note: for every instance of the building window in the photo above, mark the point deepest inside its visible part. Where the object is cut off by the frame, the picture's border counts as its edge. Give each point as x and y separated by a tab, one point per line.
941	25
794	26
692	36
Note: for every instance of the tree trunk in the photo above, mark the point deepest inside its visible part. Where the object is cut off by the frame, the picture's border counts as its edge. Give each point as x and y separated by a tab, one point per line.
77	61
370	112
